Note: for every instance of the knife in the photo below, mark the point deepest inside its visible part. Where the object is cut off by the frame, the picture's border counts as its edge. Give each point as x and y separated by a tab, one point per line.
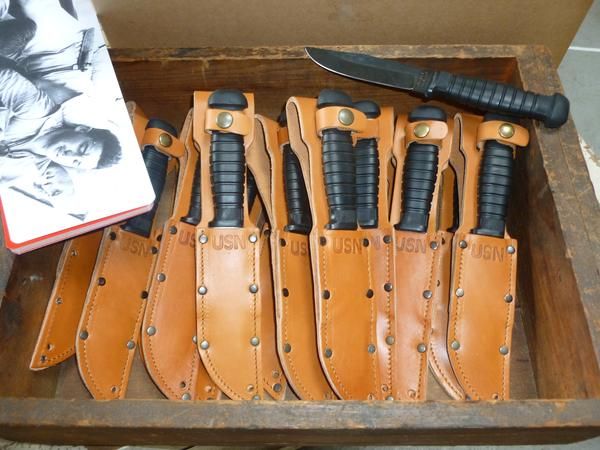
156	164
367	171
338	166
494	184
419	175
552	110
227	163
299	219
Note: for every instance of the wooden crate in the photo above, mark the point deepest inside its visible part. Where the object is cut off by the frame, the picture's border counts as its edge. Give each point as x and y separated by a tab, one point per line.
554	215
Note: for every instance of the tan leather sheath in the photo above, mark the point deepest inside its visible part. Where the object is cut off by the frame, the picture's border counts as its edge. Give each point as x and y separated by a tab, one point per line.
292	276
228	276
109	327
482	297
56	339
347	301
417	266
169	326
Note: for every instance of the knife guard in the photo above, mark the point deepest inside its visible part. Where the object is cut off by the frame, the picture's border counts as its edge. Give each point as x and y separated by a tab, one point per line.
56	339
347	311
109	328
482	296
169	327
417	264
292	278
228	273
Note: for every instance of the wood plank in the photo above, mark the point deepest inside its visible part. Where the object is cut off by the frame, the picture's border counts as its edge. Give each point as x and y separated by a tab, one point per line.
130	422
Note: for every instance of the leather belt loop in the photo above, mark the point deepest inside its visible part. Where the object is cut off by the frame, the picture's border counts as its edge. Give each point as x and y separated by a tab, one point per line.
426	132
329	117
223	120
503	132
164	142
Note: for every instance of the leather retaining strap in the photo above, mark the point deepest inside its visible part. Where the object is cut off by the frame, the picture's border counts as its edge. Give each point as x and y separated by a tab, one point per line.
482	302
169	326
56	339
109	328
417	264
346	313
295	314
228	279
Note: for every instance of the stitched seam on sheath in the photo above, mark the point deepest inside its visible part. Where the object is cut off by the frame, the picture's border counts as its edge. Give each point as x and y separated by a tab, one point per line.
155	299
426	319
257	375
297	379
457	314
89	314
389	319
267	380
232	392
372	327
506	358
54	310
326	303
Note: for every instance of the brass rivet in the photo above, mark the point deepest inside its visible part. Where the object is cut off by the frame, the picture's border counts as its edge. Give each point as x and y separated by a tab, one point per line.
202	290
144	294
253	288
508	298
287	348
43	358
323	240
254	341
421	130
256	397
371	348
510	249
504	350
387	287
389	340
224	119
326	294
165	140
59	301
186	396
154	250
365	242
151	331
101	281
345	116
282	242
195	339
173	229
159	237
427	294
252	238
460	292
275	374
421	348
83	335
203	239
387	239
277	387
130	345
161	277
328	353
112	235
370	293
506	130
204	345
462	244
455	345
250	387
433	245
389	398
285	292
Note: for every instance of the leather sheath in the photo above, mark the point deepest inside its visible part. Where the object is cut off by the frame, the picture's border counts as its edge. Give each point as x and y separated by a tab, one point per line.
349	284
418	268
169	326
482	297
56	339
109	328
292	277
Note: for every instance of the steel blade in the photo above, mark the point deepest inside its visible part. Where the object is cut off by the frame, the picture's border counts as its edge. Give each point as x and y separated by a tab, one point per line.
367	68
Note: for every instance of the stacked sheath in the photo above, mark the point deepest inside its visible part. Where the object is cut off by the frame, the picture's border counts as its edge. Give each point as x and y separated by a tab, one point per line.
338	251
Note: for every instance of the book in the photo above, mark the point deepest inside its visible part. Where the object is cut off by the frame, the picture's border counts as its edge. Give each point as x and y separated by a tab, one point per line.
69	159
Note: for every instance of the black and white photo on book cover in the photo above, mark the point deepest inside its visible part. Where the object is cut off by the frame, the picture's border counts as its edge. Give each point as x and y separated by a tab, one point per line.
68	154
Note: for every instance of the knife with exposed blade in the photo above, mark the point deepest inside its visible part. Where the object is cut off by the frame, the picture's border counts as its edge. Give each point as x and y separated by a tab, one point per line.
552	110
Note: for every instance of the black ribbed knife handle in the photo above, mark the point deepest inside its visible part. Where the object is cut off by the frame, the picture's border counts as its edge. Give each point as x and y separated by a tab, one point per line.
419	175
495	180
156	165
195	210
296	196
366	157
338	167
552	110
227	163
